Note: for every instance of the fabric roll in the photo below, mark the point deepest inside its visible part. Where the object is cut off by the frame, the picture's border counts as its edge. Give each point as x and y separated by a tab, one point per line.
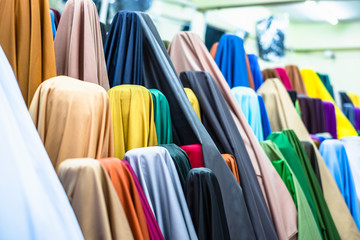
195	154
78	44
188	52
357	118
193	101
348	110
313	114
284	78
345	99
355	99
255	71
231	162
337	97
231	59
57	16
166	43
126	191
28	43
162	117
264	118
203	196
335	157
181	161
103	32
53	27
295	78
269	73
73	119
283	115
153	226
249	103
132	115
158	177
326	81
34	204
311	154
159	73
248	69
213	49
316	89
306	223
94	200
329	111
293	96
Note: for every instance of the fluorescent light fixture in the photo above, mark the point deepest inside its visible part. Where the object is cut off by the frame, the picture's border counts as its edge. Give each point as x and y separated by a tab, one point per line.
314	8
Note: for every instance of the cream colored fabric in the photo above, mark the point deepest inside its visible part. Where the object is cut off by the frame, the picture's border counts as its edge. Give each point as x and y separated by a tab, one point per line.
73	119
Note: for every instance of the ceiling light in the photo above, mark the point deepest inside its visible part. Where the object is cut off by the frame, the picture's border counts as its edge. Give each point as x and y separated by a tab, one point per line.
322	12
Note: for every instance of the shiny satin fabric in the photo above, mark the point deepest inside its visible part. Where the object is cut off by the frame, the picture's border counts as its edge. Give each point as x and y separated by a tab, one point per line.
295	78
284	78
351	145
33	205
203	196
269	73
231	162
188	52
195	154
94	200
73	119
316	89
335	157
158	177
283	115
162	117
129	197
255	71
78	44
193	101
27	41
132	115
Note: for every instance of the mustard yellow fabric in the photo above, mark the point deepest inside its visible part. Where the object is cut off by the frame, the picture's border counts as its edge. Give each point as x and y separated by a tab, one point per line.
26	38
193	101
355	99
316	89
132	115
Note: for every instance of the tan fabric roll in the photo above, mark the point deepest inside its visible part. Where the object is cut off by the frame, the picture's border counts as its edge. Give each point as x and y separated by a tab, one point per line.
79	48
269	73
26	38
296	79
282	115
73	119
188	53
231	162
94	200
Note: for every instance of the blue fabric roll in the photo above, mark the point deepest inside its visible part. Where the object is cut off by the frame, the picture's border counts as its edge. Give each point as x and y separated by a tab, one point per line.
230	57
255	71
264	118
53	27
334	154
348	110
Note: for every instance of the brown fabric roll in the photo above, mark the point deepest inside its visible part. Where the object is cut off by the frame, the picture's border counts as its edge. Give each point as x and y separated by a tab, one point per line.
248	69
269	73
78	44
126	190
93	198
214	49
231	162
73	119
296	79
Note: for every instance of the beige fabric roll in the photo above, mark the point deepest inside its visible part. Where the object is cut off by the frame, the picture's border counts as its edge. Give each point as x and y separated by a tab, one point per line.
188	53
94	200
79	50
73	119
282	115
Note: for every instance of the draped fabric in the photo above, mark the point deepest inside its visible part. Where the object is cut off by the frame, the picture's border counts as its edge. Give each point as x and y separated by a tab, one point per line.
132	115
203	196
188	52
345	99
158	177
231	59
283	115
255	71
326	81
231	162
153	226
94	200
162	117
26	169
78	44
335	157
295	78
355	99
311	154
284	78
306	223
195	154
126	190
213	49
218	121
313	114
316	89
249	103
57	17
351	145
248	69
73	119
348	110
27	41
264	117
293	96
357	118
329	111
181	161
193	101
53	27
269	73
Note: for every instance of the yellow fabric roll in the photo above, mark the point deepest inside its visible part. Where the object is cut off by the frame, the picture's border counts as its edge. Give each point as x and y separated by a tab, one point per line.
26	38
193	101
355	99
132	117
316	89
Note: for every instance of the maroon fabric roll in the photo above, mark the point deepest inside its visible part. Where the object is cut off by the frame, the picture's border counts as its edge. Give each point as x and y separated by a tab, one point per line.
194	152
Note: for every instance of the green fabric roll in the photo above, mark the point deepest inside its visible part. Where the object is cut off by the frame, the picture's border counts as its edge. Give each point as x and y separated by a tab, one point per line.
162	117
326	81
307	226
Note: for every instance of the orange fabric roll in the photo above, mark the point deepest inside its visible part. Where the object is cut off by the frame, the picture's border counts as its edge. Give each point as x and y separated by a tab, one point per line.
231	162
214	49
248	69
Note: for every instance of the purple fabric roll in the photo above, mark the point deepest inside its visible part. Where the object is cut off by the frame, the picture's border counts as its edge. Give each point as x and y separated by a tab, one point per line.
313	114
329	110
357	118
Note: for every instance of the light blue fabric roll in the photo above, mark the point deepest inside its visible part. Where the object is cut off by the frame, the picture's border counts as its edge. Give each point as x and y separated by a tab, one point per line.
161	184
249	103
33	203
334	154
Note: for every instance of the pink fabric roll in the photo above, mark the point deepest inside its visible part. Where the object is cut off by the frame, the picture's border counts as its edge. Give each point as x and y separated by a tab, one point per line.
284	78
